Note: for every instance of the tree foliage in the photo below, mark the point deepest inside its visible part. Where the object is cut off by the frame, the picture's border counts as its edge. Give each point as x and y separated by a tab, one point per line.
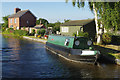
56	27
51	25
110	15
66	20
43	21
107	12
5	19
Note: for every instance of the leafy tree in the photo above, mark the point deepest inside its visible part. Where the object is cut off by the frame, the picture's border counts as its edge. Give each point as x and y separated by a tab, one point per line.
51	25
43	21
94	8
65	20
5	19
109	13
56	27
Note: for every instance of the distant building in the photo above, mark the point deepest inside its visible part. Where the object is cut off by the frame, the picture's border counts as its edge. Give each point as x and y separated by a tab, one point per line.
74	26
24	18
40	26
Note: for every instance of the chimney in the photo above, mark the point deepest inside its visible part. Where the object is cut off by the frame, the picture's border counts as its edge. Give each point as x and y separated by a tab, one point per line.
16	10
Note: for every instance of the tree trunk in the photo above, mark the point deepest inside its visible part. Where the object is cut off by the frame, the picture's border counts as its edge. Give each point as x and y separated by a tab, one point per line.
96	22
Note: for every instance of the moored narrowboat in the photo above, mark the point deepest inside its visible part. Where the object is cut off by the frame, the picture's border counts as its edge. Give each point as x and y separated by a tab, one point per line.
77	49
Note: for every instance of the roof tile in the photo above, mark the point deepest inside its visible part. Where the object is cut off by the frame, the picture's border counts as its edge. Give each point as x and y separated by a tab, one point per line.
18	14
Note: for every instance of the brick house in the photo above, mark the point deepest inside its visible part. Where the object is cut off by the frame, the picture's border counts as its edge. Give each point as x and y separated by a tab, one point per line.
19	19
75	26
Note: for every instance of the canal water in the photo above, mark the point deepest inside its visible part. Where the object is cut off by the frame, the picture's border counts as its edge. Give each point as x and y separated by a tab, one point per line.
28	59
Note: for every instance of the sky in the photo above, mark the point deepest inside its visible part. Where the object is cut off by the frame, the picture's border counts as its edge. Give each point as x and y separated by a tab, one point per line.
51	11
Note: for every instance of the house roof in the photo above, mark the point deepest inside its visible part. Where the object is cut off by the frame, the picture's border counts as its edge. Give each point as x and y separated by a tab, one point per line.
39	26
18	14
77	22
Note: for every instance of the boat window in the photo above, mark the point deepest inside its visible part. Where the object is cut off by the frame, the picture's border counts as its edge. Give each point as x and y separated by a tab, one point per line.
67	42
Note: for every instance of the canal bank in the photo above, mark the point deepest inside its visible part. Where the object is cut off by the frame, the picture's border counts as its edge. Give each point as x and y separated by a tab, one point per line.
35	39
110	53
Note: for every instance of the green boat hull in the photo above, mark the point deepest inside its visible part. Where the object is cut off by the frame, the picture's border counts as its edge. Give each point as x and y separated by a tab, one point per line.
75	49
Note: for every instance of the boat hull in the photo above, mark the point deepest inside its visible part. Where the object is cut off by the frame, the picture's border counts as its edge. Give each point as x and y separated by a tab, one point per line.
67	54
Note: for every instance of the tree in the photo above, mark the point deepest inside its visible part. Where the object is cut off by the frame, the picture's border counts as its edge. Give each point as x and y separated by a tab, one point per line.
66	20
93	6
5	19
110	15
43	21
56	27
51	25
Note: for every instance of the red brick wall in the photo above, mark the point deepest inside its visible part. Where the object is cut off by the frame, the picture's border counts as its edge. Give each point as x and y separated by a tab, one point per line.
13	22
27	17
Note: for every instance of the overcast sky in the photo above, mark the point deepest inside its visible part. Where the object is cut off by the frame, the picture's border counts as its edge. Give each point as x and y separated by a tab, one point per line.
52	11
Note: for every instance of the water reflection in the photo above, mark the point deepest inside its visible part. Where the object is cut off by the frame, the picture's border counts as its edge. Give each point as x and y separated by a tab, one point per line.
27	59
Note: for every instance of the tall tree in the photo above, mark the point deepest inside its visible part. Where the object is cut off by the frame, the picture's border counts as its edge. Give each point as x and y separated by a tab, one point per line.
43	21
56	27
110	15
5	19
93	6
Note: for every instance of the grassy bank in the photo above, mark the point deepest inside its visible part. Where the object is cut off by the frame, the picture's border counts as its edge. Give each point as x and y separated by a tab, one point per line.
12	32
109	51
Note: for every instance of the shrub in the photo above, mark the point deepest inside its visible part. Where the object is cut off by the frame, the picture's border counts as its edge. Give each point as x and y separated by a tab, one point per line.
33	32
23	28
21	33
42	32
10	30
38	32
106	38
3	29
115	40
83	34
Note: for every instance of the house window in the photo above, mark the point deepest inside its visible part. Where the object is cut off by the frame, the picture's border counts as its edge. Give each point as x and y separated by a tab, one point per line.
14	20
11	26
65	29
10	20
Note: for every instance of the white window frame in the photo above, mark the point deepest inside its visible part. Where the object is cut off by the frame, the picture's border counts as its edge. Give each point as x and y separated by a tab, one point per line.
10	20
65	29
15	21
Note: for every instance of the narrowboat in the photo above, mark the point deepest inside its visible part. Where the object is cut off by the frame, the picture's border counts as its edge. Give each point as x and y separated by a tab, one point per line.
77	49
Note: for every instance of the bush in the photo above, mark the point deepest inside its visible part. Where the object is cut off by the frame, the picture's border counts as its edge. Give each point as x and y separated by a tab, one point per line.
42	32
3	29
33	32
21	33
115	40
83	34
10	30
38	32
106	38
